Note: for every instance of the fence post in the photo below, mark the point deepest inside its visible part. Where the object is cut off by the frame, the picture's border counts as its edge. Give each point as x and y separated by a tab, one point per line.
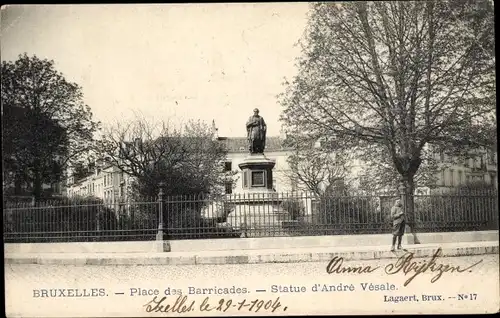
162	244
98	225
159	235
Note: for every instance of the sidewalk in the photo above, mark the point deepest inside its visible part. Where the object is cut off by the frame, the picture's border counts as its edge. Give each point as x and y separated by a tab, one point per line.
258	256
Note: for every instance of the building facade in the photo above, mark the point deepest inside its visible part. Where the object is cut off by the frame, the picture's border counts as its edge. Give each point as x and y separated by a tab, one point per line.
105	182
113	186
481	168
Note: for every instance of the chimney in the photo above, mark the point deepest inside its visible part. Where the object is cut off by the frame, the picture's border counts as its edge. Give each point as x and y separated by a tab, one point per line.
215	130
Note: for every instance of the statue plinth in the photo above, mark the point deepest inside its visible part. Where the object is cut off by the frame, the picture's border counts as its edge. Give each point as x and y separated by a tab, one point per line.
257	173
257	211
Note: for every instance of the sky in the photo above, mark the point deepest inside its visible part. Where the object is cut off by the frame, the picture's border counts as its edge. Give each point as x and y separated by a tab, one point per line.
166	62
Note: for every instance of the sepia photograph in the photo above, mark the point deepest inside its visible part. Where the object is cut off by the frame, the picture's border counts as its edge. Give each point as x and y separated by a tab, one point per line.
250	159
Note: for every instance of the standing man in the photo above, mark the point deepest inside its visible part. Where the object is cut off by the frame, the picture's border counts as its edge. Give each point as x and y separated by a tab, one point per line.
398	224
256	133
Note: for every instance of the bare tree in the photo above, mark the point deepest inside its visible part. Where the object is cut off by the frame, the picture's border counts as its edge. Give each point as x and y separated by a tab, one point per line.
401	76
316	169
187	161
379	176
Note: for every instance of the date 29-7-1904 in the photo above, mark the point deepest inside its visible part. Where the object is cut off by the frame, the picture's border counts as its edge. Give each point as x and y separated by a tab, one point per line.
183	305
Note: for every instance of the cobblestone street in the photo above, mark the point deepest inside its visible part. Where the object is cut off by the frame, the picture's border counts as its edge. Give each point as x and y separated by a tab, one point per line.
52	274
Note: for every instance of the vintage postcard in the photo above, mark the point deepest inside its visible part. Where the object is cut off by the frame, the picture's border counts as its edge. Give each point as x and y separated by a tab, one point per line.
250	159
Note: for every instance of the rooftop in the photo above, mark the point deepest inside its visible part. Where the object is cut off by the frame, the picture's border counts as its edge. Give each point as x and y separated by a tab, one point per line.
240	144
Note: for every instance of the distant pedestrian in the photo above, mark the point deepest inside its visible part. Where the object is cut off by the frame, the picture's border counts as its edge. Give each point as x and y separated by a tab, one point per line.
398	224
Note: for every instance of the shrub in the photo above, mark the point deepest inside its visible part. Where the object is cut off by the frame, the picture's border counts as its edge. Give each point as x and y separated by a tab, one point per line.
350	215
188	224
448	213
181	217
90	219
294	207
64	219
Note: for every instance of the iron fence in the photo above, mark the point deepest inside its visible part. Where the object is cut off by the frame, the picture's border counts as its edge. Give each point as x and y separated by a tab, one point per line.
240	215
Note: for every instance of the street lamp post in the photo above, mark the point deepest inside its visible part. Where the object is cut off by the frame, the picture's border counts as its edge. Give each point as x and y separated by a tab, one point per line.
159	235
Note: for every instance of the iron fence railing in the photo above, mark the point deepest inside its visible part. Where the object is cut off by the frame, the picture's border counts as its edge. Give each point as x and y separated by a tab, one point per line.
239	215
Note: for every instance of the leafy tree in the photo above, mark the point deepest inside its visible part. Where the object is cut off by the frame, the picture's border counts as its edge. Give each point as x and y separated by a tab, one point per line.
404	77
46	124
188	161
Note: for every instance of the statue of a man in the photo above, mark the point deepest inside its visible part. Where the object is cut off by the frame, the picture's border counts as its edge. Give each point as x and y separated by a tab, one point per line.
256	133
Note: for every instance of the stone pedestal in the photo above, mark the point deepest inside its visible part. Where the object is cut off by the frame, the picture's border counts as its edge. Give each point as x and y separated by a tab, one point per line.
257	173
257	211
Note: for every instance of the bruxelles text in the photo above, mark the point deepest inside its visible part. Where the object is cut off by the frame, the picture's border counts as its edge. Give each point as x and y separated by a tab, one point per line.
69	292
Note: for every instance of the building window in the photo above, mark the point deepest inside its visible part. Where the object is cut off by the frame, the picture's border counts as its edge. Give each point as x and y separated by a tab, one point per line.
460	176
477	162
452	177
228	166
492	158
228	187
443	179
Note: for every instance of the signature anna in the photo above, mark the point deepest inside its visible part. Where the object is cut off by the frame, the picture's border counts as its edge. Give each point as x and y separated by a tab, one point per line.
406	265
